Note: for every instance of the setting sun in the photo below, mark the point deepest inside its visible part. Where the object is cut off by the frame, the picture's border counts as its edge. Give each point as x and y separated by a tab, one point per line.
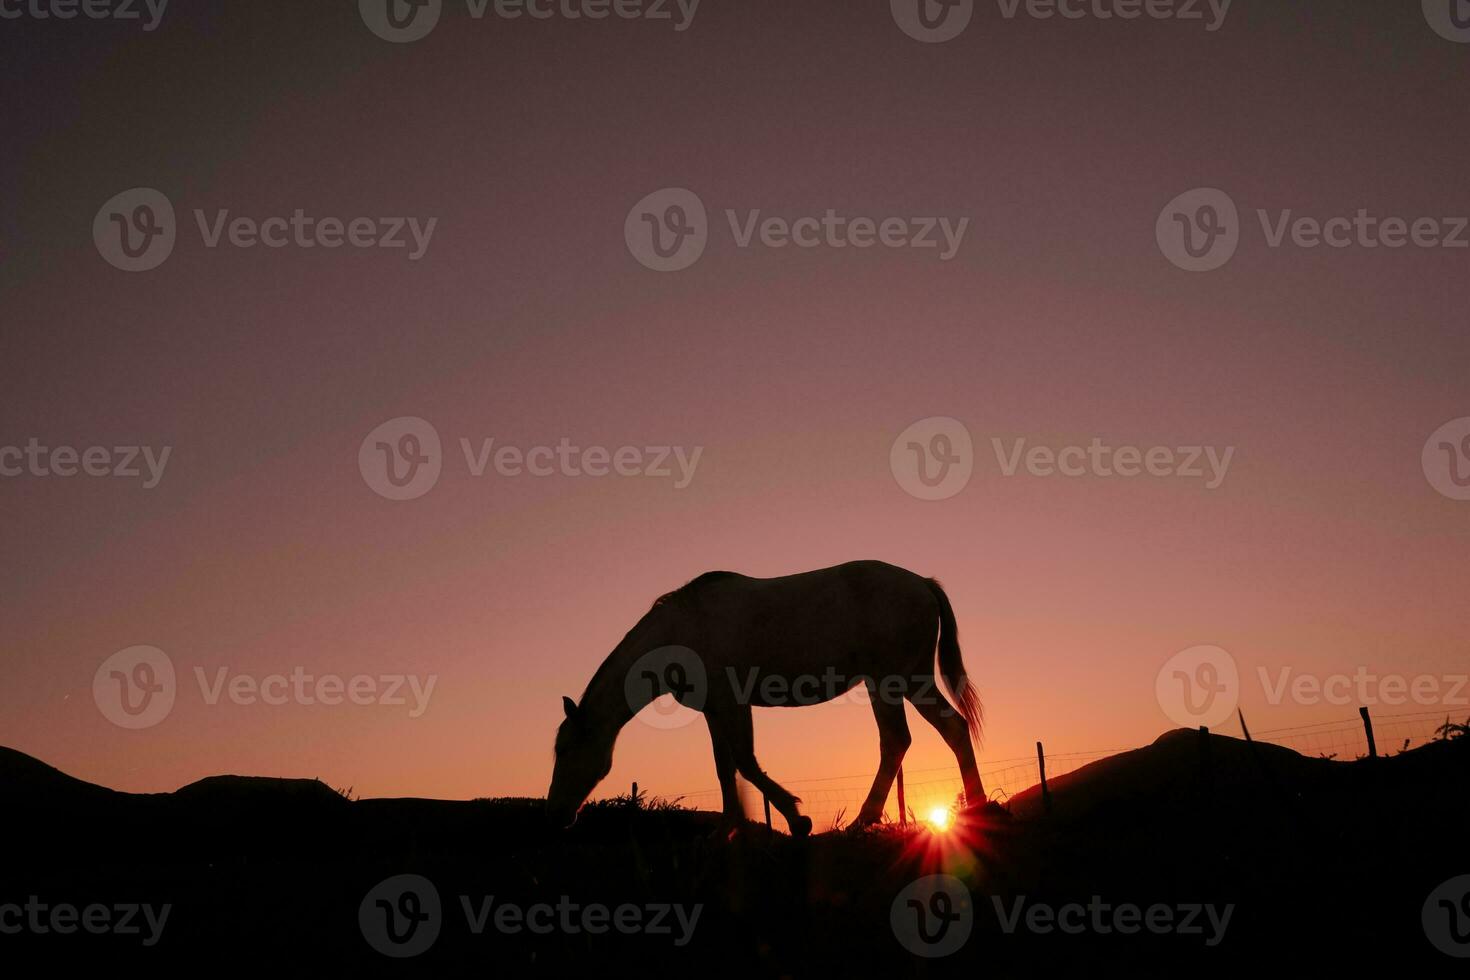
940	817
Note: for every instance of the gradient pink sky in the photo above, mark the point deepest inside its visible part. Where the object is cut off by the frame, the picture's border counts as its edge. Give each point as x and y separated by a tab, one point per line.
1059	321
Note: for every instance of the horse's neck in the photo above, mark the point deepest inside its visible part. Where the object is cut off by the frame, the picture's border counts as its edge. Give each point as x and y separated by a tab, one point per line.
606	702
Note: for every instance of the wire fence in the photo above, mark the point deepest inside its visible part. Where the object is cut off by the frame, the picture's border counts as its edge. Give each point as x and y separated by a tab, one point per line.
833	801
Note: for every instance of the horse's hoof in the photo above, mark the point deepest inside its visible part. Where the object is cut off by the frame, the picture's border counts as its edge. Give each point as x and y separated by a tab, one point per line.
728	829
801	826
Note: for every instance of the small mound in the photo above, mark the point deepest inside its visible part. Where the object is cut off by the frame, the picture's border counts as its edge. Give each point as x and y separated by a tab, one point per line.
259	791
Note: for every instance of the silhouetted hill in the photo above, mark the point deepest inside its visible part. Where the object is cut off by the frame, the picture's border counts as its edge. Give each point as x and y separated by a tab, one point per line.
27	781
1169	773
1181	766
1341	853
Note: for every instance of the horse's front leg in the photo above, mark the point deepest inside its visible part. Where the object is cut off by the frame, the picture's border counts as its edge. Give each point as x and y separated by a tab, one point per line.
733	811
734	726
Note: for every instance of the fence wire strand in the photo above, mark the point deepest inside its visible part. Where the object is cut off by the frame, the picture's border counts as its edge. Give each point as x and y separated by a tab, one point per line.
834	800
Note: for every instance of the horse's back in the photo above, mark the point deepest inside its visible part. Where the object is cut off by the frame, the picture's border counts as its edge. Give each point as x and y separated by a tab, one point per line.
863	573
848	606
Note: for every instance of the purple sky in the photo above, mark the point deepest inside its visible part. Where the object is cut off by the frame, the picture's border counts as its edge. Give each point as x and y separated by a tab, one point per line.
1059	320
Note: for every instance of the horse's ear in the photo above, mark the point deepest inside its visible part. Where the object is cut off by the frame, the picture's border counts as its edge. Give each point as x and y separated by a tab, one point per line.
569	706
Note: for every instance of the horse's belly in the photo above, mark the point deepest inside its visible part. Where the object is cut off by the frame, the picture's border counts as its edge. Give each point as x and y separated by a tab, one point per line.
804	662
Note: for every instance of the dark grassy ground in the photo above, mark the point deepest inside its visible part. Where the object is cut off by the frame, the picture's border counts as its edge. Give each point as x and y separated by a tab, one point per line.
1326	863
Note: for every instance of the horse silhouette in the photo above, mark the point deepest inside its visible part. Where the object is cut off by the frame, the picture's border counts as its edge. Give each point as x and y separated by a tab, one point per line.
725	642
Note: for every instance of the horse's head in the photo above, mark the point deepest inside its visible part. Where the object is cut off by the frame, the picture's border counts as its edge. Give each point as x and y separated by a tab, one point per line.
583	758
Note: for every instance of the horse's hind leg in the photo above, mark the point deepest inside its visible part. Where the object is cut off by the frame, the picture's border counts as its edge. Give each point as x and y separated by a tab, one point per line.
736	727
893	742
950	724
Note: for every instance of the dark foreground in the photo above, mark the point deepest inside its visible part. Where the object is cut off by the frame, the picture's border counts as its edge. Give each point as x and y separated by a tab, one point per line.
1203	858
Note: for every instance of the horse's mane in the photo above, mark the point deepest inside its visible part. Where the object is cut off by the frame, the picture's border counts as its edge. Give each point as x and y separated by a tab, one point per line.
660	602
689	586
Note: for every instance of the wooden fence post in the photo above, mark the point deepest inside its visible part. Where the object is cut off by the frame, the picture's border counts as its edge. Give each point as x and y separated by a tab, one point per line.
1368	728
1266	771
1041	765
768	810
1204	758
903	813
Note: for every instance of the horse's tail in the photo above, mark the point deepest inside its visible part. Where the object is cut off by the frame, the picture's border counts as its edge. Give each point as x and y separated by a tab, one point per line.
952	665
